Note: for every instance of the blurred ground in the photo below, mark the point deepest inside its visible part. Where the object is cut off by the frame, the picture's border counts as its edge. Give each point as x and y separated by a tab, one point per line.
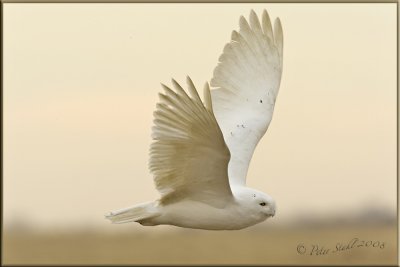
170	245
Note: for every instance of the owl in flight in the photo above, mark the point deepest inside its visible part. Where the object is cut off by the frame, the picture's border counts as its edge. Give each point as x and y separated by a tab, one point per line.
201	150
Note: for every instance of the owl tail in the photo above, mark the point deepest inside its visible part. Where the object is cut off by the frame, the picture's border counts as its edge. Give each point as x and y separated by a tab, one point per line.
142	213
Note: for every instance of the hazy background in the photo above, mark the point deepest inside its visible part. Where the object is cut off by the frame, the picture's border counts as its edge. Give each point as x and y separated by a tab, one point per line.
80	86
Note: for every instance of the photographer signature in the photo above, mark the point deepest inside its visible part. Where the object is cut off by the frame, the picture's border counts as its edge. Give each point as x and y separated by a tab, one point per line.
318	250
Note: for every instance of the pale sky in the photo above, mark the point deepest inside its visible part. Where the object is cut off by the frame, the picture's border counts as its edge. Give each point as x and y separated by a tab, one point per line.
81	84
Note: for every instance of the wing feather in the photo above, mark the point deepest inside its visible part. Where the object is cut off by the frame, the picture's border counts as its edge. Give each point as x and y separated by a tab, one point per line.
207	98
267	27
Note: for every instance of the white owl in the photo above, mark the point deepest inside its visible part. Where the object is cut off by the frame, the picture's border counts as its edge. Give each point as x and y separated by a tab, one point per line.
201	152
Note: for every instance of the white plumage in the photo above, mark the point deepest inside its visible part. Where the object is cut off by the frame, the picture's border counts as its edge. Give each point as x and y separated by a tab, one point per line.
201	152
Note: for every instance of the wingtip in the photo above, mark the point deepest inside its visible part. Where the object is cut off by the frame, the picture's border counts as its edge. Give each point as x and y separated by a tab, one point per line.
192	89
254	21
277	23
189	81
164	86
234	35
265	13
207	87
175	84
278	32
243	23
162	97
253	15
266	24
207	97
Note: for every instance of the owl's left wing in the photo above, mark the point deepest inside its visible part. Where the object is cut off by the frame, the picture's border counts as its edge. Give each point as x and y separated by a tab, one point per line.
247	81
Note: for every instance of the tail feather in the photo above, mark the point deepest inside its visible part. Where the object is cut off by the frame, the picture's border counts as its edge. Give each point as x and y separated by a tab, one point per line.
133	214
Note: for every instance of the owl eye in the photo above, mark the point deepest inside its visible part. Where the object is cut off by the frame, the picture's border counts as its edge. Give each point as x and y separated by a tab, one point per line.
263	204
